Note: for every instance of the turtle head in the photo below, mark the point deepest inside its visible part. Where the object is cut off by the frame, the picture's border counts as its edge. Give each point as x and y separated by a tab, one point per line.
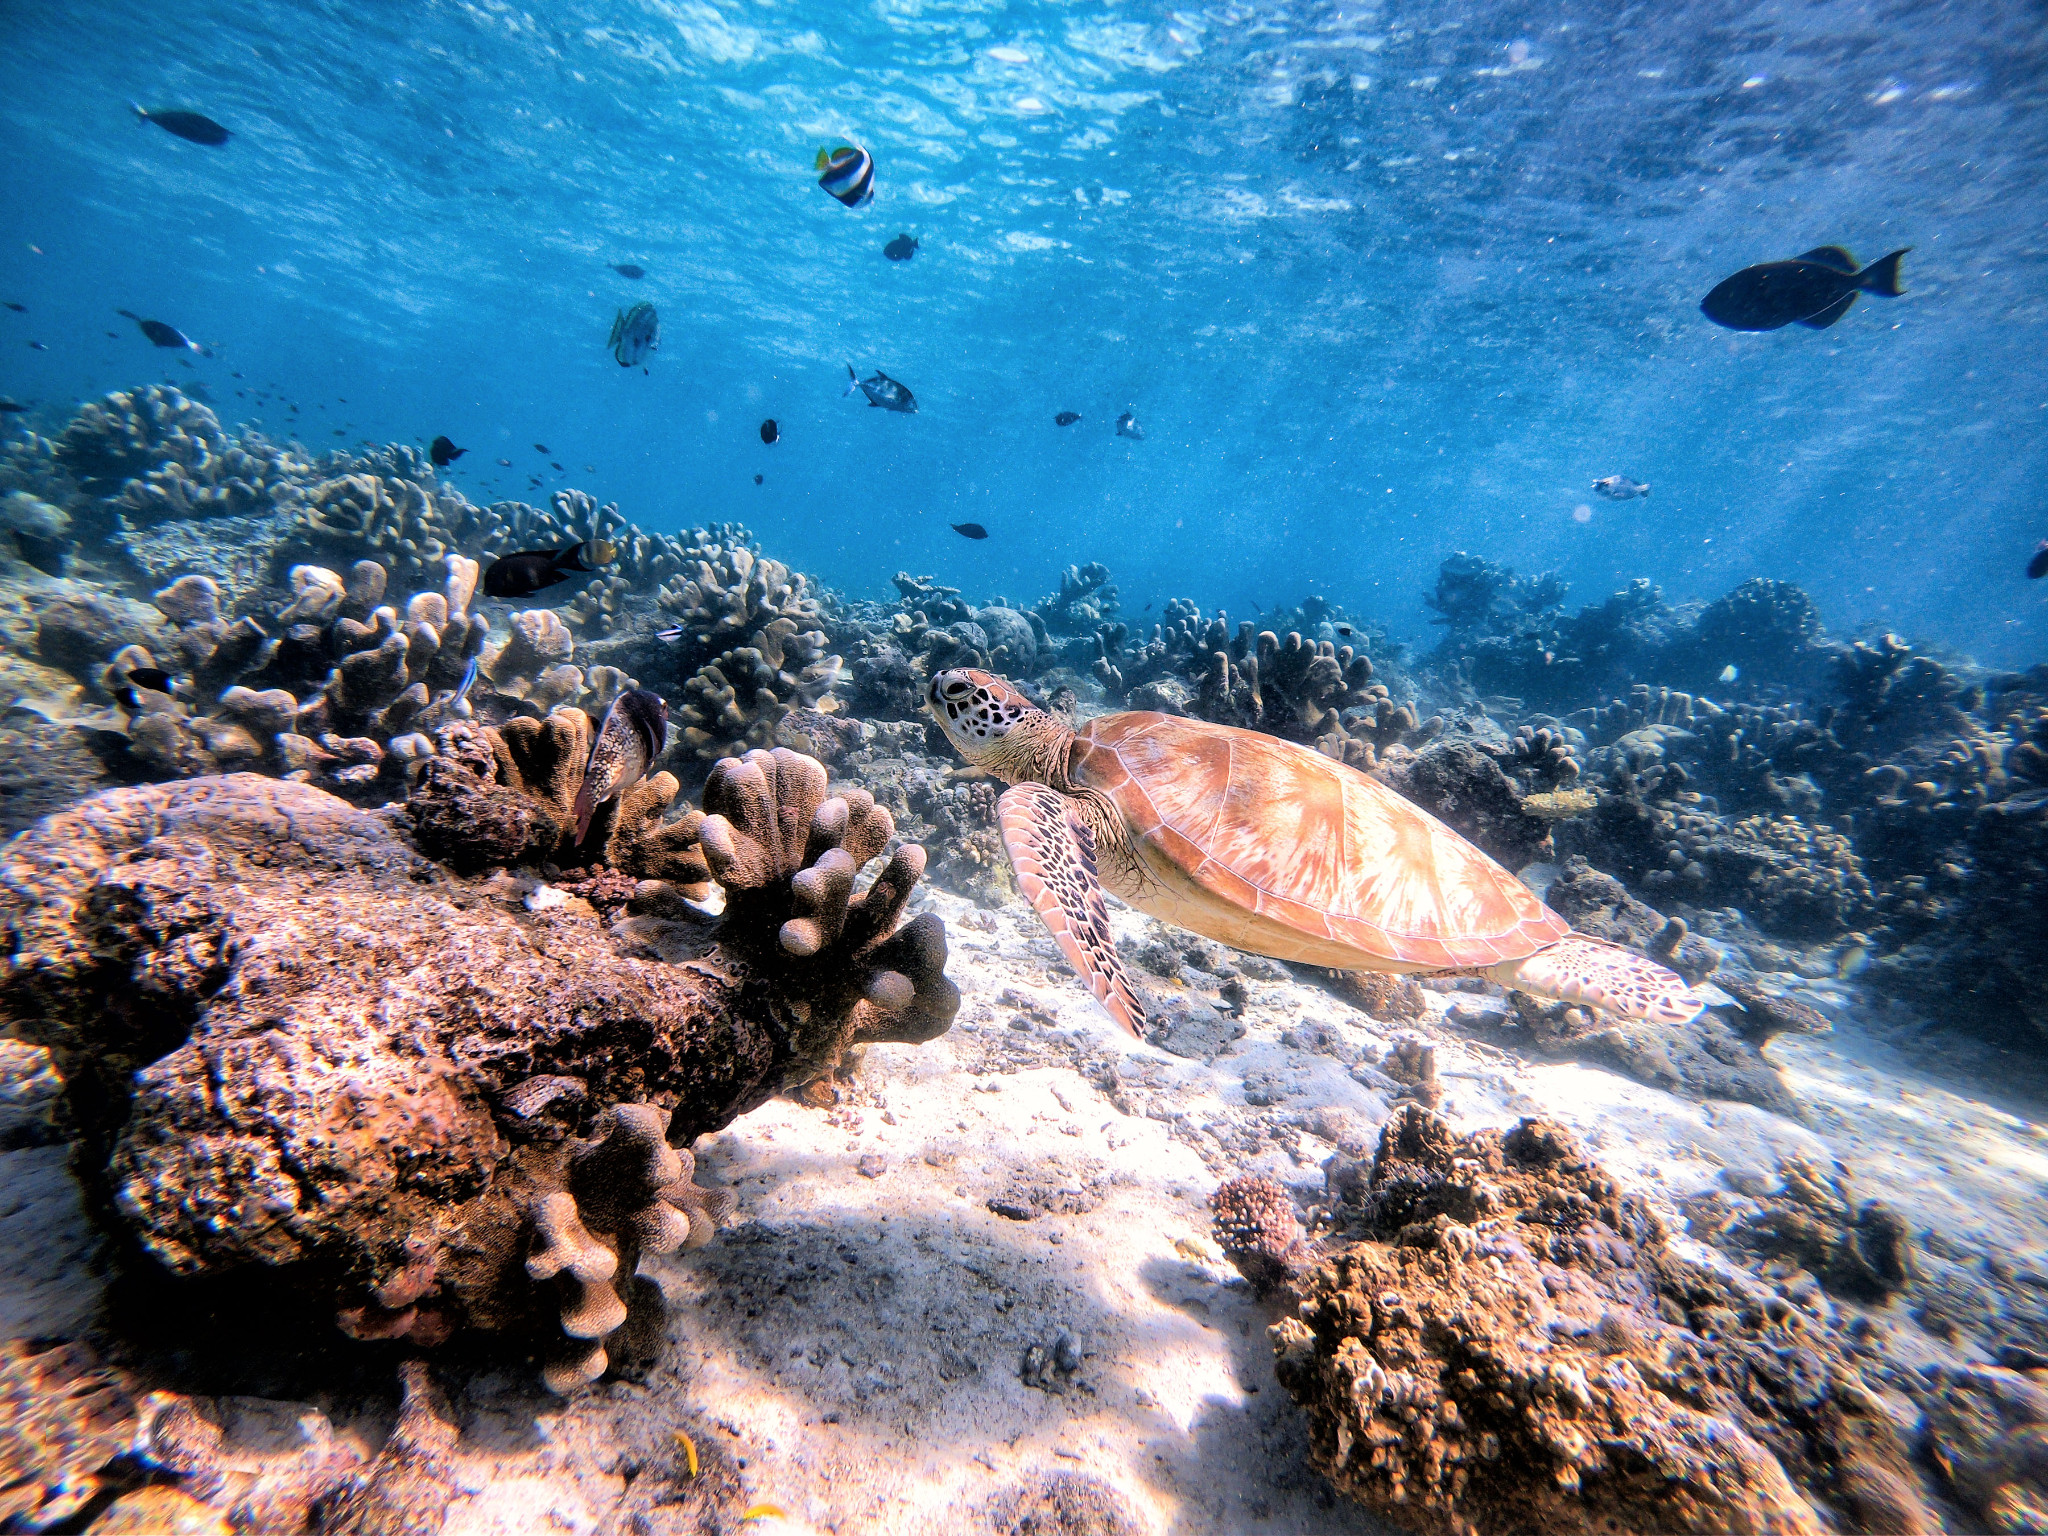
995	727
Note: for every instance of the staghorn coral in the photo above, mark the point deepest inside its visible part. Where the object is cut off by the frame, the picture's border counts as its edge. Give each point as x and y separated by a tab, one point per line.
395	1170
1509	1342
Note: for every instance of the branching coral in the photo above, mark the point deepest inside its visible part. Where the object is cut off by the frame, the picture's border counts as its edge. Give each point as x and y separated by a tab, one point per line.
375	1141
335	684
1086	600
132	432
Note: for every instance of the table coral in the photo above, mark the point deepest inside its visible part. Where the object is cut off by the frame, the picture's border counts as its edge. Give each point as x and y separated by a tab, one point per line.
291	1045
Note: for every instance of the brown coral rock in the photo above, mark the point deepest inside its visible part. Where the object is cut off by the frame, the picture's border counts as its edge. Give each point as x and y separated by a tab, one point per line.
66	1421
1511	1345
290	1042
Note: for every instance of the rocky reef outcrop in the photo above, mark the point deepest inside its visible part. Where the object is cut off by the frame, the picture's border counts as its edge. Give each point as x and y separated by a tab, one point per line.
1498	1337
294	1047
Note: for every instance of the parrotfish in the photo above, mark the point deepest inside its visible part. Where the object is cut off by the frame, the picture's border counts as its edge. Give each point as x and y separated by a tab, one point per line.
848	173
635	730
1815	290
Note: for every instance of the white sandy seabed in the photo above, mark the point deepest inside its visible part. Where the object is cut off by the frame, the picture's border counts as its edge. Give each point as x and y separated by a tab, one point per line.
854	1343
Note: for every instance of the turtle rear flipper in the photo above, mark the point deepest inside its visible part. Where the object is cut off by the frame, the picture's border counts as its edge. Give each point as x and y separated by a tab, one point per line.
1053	854
1581	969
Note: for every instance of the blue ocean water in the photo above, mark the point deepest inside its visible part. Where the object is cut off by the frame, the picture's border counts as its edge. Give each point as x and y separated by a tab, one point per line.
1380	283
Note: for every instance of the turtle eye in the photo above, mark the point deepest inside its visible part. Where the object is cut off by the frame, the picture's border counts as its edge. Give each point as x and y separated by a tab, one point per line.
955	688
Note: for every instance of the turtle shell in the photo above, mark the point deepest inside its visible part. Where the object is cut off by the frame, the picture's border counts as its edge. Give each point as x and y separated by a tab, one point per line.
1274	848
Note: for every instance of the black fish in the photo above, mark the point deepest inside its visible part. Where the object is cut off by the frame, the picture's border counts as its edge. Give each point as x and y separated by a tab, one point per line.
150	677
1815	290
757	479
164	335
628	269
541	448
443	452
11	407
2038	566
531	570
1066	418
969	530
770	433
19	309
186	125
902	248
553	465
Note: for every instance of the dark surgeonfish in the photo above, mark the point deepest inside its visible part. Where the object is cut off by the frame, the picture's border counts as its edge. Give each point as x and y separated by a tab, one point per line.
1066	418
635	333
11	407
163	335
186	125
1127	426
969	530
902	248
629	269
1620	488
635	730
540	447
757	479
770	433
443	452
881	390
19	309
2038	566
1815	290
532	569
150	677
848	173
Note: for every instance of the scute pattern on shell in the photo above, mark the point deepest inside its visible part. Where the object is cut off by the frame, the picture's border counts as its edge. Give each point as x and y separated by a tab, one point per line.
1296	855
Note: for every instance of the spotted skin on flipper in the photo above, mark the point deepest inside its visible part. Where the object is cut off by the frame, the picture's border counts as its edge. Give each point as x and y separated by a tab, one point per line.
1580	969
1053	854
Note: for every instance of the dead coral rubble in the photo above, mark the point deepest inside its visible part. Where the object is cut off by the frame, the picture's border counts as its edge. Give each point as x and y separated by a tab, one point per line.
1507	1342
291	1045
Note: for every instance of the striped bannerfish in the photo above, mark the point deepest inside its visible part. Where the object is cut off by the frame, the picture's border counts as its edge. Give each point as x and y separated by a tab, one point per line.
848	173
635	333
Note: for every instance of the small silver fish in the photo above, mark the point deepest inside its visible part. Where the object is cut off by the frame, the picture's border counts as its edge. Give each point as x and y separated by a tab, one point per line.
635	729
881	390
1127	426
1729	674
1620	488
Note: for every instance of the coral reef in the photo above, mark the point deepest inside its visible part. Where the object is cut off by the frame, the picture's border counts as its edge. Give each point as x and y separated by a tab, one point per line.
1987	1430
68	1423
240	1111
1507	1341
1254	1225
749	653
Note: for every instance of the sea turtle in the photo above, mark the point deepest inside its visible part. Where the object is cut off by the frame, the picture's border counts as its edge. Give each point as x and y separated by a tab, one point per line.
1266	846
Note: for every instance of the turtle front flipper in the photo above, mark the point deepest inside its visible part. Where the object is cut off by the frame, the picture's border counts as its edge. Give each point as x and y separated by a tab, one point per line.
1053	854
1580	969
